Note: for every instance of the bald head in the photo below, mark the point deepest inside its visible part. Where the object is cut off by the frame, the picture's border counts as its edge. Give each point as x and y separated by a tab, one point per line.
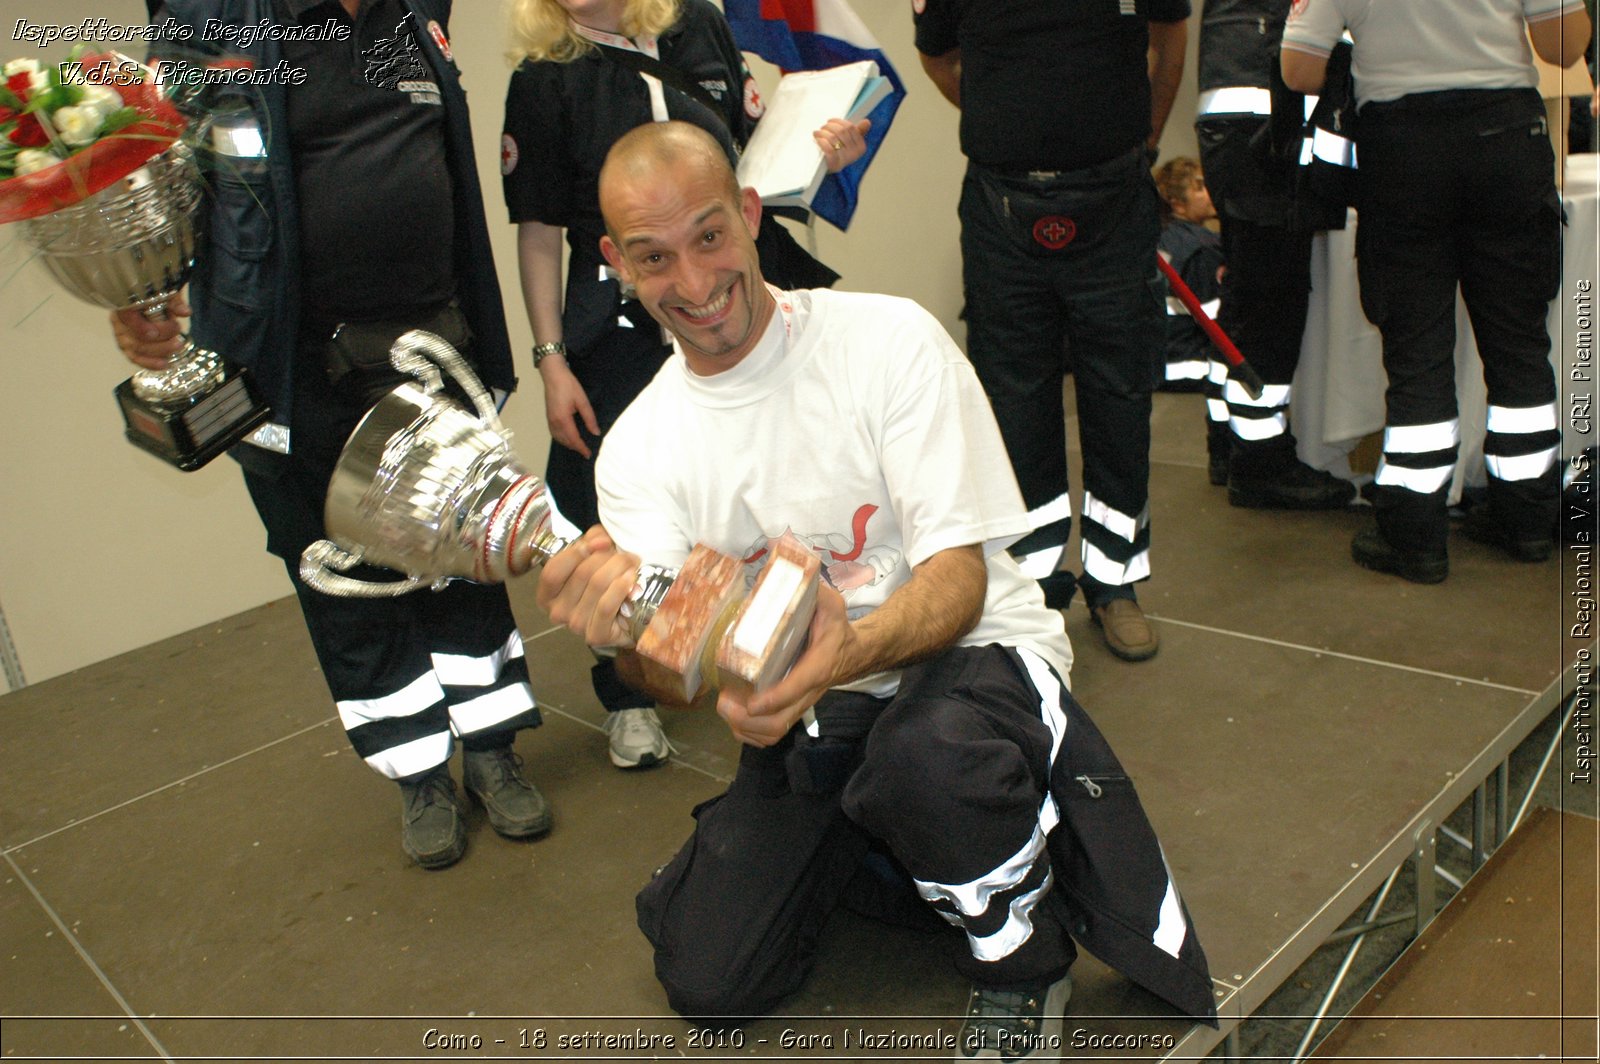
663	151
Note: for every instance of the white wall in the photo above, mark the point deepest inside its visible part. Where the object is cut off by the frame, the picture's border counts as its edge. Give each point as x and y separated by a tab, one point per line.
104	549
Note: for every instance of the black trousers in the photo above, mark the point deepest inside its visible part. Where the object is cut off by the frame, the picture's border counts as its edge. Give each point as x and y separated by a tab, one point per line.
1065	265
1266	290
950	781
1457	191
408	674
613	370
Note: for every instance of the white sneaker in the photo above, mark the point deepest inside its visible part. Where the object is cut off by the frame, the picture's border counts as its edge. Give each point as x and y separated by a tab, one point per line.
637	740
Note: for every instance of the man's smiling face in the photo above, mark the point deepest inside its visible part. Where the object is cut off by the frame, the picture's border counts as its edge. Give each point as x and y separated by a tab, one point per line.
683	234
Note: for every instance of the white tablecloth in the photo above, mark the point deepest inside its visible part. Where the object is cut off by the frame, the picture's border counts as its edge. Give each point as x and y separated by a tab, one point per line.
1338	388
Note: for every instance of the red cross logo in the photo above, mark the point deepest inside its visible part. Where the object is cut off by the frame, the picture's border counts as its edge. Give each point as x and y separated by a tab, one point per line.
508	154
436	31
1054	231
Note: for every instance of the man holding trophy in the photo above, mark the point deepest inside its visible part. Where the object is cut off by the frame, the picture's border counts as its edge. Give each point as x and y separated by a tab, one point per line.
344	210
928	715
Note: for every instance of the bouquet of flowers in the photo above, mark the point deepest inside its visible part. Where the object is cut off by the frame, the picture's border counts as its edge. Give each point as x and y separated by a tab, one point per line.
70	130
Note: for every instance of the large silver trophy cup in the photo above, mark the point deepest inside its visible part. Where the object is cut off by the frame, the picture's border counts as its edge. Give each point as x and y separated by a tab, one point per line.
431	489
133	245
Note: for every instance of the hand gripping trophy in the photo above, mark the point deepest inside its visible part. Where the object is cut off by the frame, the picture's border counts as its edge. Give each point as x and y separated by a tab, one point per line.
432	489
116	223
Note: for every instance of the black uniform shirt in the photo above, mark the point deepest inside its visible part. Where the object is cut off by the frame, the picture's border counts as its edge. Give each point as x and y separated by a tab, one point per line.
562	119
1196	254
1048	86
367	132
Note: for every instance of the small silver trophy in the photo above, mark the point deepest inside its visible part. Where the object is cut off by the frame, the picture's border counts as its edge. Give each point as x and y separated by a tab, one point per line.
133	245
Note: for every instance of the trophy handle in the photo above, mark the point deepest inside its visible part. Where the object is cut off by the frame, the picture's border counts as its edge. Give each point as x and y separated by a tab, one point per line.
322	565
417	353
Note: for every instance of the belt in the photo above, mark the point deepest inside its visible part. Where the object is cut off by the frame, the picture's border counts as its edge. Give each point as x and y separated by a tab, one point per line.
1115	165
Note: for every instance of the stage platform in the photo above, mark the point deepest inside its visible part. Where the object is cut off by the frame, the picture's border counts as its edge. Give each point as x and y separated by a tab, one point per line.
1508	968
198	867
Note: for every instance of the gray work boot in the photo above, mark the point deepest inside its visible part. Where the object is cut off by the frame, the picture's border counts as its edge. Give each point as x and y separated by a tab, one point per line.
431	829
516	808
1021	1024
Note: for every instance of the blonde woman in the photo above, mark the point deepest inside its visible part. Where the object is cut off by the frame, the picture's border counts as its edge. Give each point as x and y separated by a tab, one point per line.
588	71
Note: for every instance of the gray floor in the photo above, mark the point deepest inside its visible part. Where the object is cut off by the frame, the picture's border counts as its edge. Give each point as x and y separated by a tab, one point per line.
197	867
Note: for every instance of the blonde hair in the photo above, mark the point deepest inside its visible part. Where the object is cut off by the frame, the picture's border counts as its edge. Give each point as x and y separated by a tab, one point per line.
541	30
1174	178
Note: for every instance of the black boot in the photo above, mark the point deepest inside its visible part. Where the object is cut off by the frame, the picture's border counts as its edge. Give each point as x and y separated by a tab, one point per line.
431	829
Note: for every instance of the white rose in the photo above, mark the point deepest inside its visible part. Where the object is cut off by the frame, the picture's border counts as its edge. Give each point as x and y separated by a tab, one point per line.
30	160
101	98
31	67
78	125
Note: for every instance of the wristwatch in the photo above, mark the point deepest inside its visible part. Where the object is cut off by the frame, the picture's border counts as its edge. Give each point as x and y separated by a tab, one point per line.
544	351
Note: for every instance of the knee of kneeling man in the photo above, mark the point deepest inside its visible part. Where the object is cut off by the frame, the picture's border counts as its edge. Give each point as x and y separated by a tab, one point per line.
903	785
711	1007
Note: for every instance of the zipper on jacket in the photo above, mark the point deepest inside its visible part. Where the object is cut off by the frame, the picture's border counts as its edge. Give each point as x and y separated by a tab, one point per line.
1096	785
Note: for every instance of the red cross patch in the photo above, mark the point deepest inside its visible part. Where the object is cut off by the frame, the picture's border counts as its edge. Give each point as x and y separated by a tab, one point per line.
1054	231
754	105
436	31
508	154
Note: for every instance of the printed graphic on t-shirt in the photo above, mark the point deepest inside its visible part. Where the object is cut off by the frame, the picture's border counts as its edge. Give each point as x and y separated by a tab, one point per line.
848	560
396	63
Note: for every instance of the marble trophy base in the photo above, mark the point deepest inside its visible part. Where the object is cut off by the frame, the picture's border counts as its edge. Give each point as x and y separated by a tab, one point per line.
709	633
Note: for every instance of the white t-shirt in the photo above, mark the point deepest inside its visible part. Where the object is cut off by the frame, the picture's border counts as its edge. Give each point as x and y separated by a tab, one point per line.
1407	46
856	424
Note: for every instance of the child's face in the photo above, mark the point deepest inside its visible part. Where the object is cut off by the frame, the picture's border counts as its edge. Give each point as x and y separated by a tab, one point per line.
1196	204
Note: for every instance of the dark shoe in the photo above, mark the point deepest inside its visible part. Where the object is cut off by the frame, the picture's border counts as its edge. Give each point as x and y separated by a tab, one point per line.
516	808
1219	451
1127	631
431	828
1217	469
1294	487
1481	526
1370	549
1022	1024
